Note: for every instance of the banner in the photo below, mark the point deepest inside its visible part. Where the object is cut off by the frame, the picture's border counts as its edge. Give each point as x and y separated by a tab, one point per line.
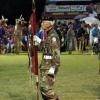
65	8
67	0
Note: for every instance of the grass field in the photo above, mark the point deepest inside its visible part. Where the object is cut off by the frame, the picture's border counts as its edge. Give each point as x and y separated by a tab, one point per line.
78	78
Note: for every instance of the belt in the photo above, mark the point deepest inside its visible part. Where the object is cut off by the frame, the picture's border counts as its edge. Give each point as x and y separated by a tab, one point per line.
47	57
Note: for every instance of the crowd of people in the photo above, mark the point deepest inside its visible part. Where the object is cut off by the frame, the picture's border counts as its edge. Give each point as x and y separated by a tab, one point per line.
13	37
78	36
75	35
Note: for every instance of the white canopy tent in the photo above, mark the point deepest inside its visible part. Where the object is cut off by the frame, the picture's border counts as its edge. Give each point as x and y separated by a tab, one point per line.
91	20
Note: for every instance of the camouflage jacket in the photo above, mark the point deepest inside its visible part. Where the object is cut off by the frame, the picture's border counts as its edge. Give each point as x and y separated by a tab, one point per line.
51	49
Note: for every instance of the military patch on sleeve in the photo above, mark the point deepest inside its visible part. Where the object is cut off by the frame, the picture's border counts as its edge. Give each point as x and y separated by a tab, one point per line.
54	39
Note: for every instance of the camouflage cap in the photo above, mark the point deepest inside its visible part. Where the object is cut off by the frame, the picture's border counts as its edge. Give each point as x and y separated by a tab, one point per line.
47	24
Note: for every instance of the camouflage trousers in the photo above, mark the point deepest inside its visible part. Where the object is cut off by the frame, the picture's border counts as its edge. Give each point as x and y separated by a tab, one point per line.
47	82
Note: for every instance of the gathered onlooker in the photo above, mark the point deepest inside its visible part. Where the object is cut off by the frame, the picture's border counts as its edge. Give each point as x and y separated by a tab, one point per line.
10	45
2	33
86	37
95	32
76	27
70	38
80	37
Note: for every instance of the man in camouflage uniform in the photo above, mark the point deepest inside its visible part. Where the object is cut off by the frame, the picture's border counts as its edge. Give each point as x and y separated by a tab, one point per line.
50	61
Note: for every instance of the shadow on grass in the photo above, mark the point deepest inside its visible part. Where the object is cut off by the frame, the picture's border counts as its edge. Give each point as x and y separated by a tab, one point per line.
93	89
75	54
98	91
22	96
